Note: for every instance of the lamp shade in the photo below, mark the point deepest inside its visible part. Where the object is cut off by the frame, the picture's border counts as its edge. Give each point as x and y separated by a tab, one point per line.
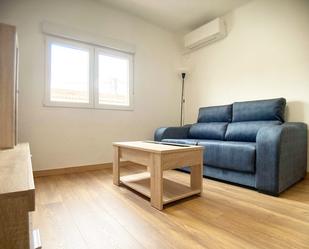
183	70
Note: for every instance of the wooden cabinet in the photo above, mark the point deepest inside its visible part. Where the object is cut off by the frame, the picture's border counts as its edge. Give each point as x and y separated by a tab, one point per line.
17	192
17	198
8	86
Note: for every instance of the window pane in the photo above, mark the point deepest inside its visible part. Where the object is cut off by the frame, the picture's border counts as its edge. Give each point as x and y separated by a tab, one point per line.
69	74
113	80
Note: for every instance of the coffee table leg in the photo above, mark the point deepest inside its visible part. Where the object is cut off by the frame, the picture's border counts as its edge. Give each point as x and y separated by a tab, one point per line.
156	182
196	177
116	173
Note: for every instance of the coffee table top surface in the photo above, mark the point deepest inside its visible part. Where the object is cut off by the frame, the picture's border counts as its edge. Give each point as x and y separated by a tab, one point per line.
157	147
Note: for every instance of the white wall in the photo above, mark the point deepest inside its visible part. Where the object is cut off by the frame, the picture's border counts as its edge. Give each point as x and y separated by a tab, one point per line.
265	55
63	137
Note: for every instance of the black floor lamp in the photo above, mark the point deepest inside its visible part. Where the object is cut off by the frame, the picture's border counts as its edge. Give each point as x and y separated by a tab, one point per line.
183	76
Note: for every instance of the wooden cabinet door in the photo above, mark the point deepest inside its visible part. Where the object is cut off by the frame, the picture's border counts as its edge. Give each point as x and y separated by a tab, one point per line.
7	85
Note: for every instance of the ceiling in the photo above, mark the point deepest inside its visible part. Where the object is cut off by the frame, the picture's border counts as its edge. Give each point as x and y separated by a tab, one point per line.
176	15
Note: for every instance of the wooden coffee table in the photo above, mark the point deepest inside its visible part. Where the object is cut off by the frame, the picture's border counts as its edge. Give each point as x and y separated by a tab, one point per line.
157	158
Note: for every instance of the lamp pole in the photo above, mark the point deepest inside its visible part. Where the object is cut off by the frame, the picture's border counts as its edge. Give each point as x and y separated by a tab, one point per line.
183	76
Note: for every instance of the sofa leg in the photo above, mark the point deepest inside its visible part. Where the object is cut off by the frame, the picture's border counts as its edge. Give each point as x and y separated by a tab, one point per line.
268	193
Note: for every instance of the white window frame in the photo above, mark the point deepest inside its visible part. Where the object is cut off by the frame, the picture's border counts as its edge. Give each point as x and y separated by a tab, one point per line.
70	44
94	51
116	54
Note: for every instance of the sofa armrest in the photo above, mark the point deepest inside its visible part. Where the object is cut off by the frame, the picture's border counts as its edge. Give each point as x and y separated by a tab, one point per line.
281	157
172	132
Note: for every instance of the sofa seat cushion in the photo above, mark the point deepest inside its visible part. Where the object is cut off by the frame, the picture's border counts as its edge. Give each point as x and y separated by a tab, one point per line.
214	130
181	141
246	131
238	156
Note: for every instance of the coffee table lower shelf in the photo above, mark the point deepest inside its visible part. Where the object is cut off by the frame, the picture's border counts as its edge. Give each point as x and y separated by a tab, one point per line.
172	191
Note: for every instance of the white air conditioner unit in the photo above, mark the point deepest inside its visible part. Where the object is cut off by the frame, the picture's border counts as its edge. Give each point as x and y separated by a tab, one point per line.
206	34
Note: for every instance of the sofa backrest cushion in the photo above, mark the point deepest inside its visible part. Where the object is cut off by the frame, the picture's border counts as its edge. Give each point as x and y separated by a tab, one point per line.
215	114
246	131
213	131
271	109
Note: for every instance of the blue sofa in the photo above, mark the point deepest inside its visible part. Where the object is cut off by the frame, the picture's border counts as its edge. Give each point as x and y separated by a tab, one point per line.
247	143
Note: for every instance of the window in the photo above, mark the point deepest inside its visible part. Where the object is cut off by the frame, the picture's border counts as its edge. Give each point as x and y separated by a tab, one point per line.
114	74
81	75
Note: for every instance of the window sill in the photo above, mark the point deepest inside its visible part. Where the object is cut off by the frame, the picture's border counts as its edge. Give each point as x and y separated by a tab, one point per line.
87	106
